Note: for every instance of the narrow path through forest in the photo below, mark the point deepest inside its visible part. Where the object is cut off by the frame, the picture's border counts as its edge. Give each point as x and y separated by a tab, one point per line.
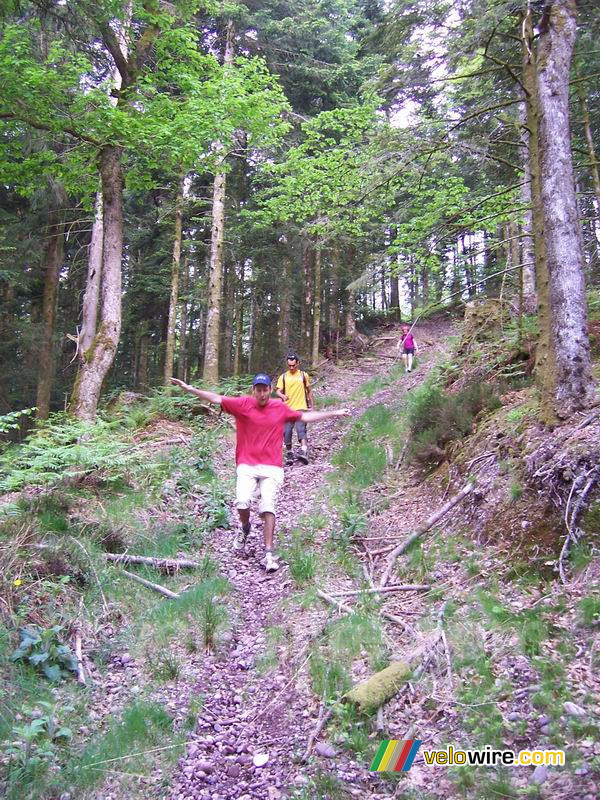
246	713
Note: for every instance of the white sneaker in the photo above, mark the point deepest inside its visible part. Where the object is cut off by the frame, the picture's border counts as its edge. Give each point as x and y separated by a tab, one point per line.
270	562
239	541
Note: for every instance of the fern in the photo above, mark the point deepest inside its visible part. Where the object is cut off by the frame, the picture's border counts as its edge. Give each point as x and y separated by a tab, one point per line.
64	447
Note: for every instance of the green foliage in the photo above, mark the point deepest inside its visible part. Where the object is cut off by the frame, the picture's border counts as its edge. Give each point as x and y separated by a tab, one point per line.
436	418
589	608
32	747
362	460
64	448
302	563
42	648
12	421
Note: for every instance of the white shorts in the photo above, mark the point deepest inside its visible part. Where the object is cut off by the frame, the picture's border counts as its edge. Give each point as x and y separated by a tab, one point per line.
264	479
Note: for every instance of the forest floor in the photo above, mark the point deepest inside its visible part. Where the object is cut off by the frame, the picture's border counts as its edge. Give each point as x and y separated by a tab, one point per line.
252	668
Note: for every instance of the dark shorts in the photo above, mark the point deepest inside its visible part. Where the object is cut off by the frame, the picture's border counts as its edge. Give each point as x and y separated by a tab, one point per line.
410	350
289	429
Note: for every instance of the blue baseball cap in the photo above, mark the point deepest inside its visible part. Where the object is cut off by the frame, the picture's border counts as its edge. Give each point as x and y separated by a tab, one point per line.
261	379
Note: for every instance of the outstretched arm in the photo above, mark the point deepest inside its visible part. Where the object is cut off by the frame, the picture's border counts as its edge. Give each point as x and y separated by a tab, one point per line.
315	416
210	397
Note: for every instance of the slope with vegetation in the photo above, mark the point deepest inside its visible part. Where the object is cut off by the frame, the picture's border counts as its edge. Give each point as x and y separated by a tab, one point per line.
186	695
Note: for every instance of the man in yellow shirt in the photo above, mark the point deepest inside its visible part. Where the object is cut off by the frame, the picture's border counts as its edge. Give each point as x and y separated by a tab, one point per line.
294	388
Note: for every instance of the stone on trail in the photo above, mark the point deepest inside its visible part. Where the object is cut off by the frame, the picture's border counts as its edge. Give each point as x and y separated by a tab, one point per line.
573	709
325	750
260	759
539	774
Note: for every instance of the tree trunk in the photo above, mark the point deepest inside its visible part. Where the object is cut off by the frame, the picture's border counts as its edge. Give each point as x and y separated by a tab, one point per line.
285	304
566	382
307	308
215	274
587	127
543	357
141	380
229	294
175	267
91	297
53	254
239	321
316	331
252	330
100	355
527	242
183	320
334	294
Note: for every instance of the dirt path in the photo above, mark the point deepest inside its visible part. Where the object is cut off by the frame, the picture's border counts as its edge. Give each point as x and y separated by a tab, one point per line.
249	713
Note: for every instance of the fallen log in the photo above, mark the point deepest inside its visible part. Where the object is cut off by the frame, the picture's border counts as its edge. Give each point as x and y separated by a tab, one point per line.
155	586
164	564
429	523
379	688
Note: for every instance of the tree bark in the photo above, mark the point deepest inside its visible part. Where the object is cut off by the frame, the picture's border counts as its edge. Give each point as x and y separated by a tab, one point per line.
183	321
285	305
316	330
215	274
527	243
307	307
100	355
229	310
53	254
174	296
91	297
566	383
239	321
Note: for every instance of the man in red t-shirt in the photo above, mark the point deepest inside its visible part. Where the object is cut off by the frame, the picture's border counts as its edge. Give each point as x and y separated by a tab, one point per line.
260	421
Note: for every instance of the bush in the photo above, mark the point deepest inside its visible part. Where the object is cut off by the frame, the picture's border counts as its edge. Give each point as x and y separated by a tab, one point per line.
436	418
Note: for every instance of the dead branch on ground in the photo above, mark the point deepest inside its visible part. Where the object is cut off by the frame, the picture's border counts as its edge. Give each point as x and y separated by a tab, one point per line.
429	523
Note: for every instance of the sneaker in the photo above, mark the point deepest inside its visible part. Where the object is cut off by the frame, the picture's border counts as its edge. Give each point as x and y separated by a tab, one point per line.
303	457
240	538
270	562
289	458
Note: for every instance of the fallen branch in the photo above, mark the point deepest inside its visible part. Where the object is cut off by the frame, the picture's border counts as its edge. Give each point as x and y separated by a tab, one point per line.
398	587
402	454
341	606
324	717
79	656
165	564
429	523
149	585
575	533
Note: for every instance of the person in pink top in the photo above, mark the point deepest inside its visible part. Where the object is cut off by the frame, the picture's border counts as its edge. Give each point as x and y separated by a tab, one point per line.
260	421
407	346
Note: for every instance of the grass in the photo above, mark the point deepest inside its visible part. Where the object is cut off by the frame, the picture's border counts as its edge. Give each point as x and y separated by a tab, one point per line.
125	746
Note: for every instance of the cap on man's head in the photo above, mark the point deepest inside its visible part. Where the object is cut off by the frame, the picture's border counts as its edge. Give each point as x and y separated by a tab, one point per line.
292	356
261	379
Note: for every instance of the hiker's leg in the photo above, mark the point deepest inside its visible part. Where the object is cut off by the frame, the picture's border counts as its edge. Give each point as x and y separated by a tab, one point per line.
271	480
287	434
410	360
302	436
268	529
404	360
245	486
